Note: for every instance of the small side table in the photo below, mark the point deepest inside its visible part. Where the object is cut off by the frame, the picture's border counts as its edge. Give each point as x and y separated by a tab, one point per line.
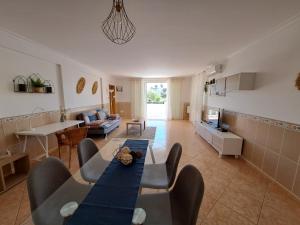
21	166
140	123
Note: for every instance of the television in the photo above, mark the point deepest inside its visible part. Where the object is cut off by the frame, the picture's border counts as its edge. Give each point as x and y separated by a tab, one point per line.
214	117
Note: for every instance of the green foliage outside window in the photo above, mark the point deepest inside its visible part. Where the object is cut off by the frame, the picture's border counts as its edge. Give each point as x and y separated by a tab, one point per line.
157	95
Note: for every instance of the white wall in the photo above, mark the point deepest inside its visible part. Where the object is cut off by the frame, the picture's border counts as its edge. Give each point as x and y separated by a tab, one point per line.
20	56
85	98
186	89
276	59
12	64
125	95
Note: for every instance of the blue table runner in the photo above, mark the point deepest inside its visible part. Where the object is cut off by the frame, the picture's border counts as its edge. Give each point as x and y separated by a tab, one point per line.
112	199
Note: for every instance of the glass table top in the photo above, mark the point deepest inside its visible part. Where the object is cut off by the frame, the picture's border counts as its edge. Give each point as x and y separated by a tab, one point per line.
75	189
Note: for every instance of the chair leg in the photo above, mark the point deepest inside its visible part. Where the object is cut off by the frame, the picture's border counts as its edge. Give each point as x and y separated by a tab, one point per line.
70	155
59	155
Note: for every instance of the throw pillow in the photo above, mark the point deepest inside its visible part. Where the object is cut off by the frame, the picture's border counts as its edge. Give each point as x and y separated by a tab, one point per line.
101	115
86	119
92	118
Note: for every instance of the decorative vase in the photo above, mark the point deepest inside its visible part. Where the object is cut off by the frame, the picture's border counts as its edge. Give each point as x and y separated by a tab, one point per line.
38	89
62	117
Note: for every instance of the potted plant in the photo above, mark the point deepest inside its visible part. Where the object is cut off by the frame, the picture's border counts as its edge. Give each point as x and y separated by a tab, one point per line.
38	85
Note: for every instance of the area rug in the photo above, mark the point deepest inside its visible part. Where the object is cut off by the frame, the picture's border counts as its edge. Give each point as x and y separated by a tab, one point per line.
134	132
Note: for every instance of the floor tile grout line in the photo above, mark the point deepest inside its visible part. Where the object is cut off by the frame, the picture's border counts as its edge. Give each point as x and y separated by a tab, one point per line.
20	203
263	203
237	213
235	210
217	200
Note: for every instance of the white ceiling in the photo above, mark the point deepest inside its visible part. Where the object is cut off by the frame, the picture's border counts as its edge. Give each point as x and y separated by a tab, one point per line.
173	38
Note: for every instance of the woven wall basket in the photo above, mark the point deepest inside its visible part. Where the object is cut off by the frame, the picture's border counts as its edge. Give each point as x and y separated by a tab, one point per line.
80	85
298	82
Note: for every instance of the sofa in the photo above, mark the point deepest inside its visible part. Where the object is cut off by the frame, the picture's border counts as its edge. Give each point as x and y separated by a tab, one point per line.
99	122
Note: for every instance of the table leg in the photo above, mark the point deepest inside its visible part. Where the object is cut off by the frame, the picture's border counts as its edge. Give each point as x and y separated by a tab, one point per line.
140	129
127	129
46	146
25	144
152	154
144	124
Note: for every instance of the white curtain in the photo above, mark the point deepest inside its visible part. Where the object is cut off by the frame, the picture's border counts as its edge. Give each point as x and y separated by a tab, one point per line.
138	100
175	107
143	101
196	103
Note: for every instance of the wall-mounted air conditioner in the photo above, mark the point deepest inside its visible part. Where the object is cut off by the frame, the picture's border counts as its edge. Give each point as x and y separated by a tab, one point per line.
214	69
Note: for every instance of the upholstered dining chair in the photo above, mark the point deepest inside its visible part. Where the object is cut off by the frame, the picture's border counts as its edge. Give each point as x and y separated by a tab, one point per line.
90	160
48	177
184	199
70	138
162	176
157	176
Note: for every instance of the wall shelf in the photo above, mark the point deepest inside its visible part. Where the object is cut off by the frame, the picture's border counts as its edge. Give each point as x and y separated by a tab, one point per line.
236	82
33	84
240	82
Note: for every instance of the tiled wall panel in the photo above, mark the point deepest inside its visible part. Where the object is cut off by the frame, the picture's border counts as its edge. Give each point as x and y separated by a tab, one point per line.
9	126
272	146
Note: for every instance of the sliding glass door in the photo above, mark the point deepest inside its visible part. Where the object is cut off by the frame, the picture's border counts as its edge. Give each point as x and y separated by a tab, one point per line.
156	99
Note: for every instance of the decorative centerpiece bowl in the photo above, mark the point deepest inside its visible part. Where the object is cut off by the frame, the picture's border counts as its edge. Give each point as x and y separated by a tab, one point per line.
126	156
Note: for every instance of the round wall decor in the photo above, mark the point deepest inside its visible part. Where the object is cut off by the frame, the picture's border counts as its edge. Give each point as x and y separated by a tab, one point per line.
95	87
298	82
80	85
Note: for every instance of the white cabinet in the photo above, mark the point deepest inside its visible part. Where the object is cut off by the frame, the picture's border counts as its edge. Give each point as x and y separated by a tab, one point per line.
240	81
220	86
226	143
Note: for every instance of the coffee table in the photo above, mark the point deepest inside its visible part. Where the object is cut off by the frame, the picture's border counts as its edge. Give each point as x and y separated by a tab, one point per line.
139	123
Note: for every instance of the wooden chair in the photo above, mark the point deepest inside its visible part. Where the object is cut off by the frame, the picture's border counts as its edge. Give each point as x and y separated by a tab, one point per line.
70	138
62	140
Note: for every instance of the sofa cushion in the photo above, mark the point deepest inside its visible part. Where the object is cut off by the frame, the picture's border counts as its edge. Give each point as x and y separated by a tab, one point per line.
95	124
113	117
101	115
107	124
86	119
92	117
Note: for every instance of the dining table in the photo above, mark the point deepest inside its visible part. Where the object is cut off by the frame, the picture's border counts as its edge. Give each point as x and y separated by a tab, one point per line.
112	200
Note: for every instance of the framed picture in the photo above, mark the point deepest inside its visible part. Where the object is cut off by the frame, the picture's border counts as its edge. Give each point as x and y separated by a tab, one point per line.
119	88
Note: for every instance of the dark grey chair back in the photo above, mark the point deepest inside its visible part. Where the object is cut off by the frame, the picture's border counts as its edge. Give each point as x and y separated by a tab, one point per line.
44	179
186	196
86	150
172	162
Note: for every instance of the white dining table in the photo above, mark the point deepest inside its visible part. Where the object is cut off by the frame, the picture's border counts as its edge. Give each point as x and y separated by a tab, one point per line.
44	131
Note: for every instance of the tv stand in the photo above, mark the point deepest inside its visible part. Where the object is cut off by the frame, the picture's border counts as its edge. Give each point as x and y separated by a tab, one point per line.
226	143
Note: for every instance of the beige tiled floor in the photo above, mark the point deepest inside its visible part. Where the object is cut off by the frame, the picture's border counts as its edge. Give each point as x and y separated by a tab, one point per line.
235	193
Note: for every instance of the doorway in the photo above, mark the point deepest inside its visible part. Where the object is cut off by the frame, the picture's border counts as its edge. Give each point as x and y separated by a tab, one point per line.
112	99
156	100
